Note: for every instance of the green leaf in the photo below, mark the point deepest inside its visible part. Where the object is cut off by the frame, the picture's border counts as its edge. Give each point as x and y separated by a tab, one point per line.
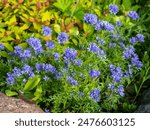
11	93
12	20
23	45
57	28
127	4
3	54
32	83
8	46
88	29
46	16
63	5
38	93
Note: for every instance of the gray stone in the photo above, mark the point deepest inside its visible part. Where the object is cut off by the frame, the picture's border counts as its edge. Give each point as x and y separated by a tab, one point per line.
15	105
144	103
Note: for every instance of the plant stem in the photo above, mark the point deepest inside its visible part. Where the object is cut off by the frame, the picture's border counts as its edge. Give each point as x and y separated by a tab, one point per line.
93	5
72	13
141	84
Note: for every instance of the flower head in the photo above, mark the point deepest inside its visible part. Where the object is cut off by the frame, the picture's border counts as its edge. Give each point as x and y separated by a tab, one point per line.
27	69
70	54
133	40
62	37
129	51
18	50
78	62
10	80
140	37
46	78
90	18
118	23
121	90
17	72
72	81
95	94
48	68
1	46
46	31
50	44
56	55
113	9
26	54
94	73
133	15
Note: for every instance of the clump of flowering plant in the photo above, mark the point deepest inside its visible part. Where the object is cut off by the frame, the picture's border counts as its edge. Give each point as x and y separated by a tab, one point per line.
90	77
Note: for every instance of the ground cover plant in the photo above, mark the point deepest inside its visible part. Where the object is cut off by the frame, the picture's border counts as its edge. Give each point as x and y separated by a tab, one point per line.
86	60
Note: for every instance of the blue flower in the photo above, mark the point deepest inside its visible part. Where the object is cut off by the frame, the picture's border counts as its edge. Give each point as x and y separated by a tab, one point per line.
46	31
72	81
135	61
10	80
27	69
128	73
118	23
116	73
113	9
38	67
50	44
78	62
62	37
129	51
93	47
121	44
56	55
108	26
99	25
140	37
95	94
133	15
1	46
94	73
17	72
48	68
112	87
46	78
18	50
90	18
70	54
35	43
133	40
26	54
112	44
121	90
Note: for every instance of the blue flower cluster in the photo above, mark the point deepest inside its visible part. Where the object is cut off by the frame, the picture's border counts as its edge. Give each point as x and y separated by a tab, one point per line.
1	46
72	81
95	94
116	73
100	41
94	73
138	38
50	44
133	15
121	90
78	62
70	54
56	55
90	18
118	23
46	31
62	37
94	48
128	73
35	43
130	54
113	9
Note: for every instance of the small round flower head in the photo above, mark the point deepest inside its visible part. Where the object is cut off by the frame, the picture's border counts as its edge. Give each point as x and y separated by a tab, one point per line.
99	25
10	80
48	68
56	55
121	90
35	43
129	51
133	15
72	81
78	62
26	54
94	73
46	31
27	69
93	47
18	50
118	23
111	86
70	54
1	46
135	61
38	67
128	72
50	44
95	94
62	37
133	40
140	37
17	72
108	26
113	9
90	18
121	44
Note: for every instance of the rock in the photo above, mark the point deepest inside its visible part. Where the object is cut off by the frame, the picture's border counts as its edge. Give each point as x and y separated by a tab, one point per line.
144	103
14	105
